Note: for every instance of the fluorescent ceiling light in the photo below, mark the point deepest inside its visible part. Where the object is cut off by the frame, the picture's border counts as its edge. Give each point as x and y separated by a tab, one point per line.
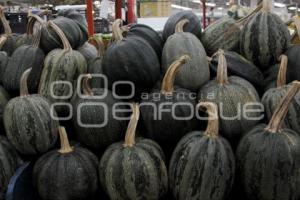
220	8
280	5
227	3
197	1
211	4
292	8
180	7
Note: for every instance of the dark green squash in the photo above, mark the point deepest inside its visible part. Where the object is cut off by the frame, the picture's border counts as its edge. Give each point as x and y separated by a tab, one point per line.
29	122
68	173
88	51
76	34
194	25
156	109
134	169
130	59
95	123
271	99
237	65
293	70
3	61
268	158
194	73
9	162
234	96
24	57
61	65
265	37
4	98
74	15
148	34
203	165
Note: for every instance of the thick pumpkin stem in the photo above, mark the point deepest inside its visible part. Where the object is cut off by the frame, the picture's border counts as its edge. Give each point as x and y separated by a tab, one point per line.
281	79
212	129
249	16
131	129
64	141
296	20
267	5
276	121
23	83
62	36
116	28
86	86
5	23
98	43
222	76
3	39
168	81
180	25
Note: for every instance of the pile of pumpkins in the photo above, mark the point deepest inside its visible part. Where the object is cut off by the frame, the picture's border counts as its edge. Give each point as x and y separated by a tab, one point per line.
210	115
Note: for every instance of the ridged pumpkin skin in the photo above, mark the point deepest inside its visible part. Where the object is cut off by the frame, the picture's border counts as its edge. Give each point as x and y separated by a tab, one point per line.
194	25
29	125
201	167
148	34
293	69
131	59
238	66
263	39
194	73
71	176
222	34
9	162
268	164
95	67
271	100
136	172
4	98
75	34
3	64
24	39
88	51
98	138
24	57
74	15
231	99
9	45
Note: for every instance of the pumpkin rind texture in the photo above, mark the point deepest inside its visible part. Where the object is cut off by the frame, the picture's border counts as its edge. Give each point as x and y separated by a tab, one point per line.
202	167
222	34
29	125
3	64
269	162
264	38
195	72
136	172
61	176
9	162
88	51
194	25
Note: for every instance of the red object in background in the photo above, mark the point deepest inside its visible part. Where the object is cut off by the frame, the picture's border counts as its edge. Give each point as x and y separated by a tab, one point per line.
204	13
130	11
118	9
90	16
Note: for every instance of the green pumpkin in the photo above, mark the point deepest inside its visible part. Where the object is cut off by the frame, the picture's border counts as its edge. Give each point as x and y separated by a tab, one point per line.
264	38
101	128
23	58
268	157
68	173
233	95
194	73
137	164
88	51
3	63
272	97
29	122
203	165
4	98
9	162
61	65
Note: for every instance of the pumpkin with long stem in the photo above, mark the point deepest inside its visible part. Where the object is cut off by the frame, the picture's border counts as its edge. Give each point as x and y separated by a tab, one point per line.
268	157
29	122
234	96
203	165
130	59
68	173
273	96
137	163
167	114
95	123
194	73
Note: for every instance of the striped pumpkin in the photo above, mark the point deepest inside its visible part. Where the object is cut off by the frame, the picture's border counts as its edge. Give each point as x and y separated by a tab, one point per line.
28	122
232	95
134	169
9	162
268	158
195	72
69	173
271	99
264	38
202	164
